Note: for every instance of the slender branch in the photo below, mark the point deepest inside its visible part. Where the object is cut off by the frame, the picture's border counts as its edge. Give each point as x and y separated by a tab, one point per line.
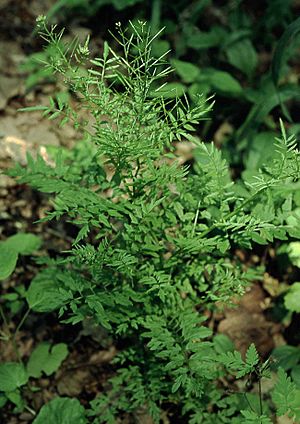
14	342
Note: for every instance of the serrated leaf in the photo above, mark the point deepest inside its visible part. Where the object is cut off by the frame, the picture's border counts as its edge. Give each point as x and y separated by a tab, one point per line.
82	233
284	393
252	417
61	411
46	359
12	376
252	357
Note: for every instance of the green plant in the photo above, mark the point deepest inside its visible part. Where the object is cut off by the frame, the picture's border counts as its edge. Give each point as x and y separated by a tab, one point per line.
15	375
153	254
215	49
288	358
12	247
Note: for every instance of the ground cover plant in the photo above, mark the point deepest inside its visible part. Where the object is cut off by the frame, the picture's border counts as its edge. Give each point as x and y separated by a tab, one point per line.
153	254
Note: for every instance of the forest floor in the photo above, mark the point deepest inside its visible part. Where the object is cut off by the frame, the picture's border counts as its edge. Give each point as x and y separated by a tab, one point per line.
87	367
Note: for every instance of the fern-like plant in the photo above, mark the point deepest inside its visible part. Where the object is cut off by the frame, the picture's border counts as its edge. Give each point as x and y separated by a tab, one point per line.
154	246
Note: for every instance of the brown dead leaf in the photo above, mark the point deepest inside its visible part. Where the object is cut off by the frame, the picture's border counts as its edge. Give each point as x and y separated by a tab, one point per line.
284	420
244	328
272	285
72	383
103	356
247	324
184	151
142	416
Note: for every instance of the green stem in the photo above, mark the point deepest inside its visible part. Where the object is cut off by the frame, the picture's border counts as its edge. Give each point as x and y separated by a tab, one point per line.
14	342
3	317
260	396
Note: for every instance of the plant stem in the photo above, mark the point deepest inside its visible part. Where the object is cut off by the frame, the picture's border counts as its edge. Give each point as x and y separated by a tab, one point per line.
16	333
260	396
3	317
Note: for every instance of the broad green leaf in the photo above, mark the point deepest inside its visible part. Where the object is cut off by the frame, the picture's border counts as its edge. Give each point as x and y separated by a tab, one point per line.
61	411
3	400
223	344
23	243
199	88
16	398
243	56
187	71
20	243
261	150
286	356
224	82
263	107
160	47
8	261
280	56
57	355
204	40
46	359
12	376
292	298
44	295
